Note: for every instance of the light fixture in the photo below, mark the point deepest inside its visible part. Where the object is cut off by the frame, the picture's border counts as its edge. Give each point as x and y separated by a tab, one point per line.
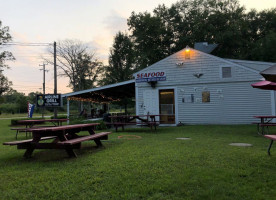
152	83
198	75
187	49
187	52
179	64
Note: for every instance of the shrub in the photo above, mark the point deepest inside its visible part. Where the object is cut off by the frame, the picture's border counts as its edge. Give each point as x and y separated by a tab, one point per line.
60	117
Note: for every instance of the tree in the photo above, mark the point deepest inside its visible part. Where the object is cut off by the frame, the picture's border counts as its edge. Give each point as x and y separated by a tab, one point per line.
76	62
168	30
5	37
151	38
121	61
5	84
264	48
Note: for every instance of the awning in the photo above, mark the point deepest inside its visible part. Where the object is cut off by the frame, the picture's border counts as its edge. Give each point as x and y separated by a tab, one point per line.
105	94
265	85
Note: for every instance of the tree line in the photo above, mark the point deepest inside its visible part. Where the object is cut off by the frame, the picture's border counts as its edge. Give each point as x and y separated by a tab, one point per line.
156	35
152	36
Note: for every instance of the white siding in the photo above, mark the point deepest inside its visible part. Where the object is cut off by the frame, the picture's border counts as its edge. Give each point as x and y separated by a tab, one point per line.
210	66
260	66
234	103
233	100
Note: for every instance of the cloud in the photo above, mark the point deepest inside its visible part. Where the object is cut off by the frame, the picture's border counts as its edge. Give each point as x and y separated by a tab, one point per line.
115	22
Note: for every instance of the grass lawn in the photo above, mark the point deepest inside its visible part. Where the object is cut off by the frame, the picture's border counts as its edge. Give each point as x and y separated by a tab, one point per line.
157	166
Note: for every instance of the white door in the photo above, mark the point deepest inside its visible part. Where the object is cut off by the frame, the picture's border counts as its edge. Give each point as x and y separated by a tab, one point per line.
151	105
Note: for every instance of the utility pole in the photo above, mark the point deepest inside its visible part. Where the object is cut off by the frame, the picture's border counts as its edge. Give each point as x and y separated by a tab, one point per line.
43	109
55	75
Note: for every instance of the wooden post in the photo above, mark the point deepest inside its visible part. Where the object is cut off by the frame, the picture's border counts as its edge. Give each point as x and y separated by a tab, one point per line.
68	110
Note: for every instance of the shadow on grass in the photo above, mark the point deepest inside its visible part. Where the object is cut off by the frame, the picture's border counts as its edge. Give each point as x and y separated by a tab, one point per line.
58	155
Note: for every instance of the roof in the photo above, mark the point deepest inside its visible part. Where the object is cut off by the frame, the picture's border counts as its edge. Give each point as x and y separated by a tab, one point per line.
104	94
256	65
228	61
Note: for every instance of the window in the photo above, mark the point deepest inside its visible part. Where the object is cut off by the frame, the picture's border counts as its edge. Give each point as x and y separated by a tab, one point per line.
205	97
226	72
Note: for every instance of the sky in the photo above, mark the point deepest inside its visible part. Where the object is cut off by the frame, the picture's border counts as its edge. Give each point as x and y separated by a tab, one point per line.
94	22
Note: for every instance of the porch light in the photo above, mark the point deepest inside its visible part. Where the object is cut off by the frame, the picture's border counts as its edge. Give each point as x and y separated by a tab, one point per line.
187	49
187	52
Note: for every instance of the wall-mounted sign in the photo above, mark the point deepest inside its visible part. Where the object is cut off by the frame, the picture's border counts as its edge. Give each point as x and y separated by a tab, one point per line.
49	100
150	76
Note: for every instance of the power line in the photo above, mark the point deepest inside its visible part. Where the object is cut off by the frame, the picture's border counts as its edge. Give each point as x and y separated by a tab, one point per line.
26	44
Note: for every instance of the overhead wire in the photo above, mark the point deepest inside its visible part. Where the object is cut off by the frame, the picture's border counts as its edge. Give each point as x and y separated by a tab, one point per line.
26	44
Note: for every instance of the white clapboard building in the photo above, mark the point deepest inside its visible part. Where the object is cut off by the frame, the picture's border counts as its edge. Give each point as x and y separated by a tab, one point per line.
193	87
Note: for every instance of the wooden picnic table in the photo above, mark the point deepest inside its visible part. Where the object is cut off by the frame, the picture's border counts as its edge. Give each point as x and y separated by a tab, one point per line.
65	137
122	120
32	122
265	121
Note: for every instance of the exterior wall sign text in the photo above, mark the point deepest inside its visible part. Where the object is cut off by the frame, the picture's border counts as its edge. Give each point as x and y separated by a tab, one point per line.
150	76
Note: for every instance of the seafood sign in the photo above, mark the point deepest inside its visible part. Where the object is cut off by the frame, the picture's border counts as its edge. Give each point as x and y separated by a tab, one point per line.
150	76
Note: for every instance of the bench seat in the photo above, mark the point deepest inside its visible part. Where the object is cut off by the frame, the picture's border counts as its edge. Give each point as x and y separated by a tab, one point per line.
272	138
85	138
122	124
27	141
268	124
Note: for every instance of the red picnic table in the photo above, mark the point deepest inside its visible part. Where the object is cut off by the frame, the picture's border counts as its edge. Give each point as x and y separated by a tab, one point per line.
265	121
122	120
32	122
65	137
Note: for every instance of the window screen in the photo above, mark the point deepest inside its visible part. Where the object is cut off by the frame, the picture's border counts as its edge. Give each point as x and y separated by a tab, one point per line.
226	72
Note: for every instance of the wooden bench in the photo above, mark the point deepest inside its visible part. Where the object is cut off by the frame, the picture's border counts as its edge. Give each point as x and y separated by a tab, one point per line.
267	124
123	124
18	142
272	138
98	136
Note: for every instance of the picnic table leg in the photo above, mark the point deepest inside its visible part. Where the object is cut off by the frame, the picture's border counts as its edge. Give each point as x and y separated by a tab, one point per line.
268	150
28	153
97	141
71	152
263	128
30	149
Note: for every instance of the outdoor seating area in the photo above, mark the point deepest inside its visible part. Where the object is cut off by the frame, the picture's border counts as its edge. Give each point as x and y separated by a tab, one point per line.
265	122
152	157
63	137
140	120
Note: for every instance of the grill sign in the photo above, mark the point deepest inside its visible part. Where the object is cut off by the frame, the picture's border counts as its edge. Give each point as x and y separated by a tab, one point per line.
150	76
49	100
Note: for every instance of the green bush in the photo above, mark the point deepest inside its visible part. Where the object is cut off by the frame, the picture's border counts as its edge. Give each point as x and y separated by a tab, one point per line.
8	108
60	117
